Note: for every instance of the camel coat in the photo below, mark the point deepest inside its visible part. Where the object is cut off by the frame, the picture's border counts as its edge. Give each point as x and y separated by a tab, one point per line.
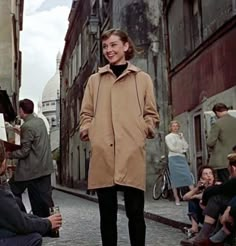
119	113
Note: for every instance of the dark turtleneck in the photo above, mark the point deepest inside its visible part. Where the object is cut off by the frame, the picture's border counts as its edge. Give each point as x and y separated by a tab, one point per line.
118	69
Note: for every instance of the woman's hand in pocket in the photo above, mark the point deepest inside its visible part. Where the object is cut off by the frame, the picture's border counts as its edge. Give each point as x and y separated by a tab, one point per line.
84	135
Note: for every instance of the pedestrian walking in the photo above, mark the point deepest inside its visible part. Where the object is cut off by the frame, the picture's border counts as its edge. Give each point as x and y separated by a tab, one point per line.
16	226
221	140
180	175
34	166
118	113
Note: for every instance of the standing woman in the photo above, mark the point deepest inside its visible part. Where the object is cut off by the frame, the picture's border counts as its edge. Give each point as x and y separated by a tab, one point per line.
179	169
118	113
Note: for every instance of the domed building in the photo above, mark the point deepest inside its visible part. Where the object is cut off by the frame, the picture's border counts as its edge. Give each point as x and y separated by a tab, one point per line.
50	97
51	105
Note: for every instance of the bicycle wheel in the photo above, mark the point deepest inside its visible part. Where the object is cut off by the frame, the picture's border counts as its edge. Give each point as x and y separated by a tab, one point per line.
158	187
165	190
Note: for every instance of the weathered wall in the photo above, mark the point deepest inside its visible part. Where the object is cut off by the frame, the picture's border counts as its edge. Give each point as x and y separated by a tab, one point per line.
176	32
6	63
182	40
214	15
208	74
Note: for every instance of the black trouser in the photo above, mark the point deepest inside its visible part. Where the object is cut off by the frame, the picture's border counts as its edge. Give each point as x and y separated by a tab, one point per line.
33	239
216	205
40	194
134	205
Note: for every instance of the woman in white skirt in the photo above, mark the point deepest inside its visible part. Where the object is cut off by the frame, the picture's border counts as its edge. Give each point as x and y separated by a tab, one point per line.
179	169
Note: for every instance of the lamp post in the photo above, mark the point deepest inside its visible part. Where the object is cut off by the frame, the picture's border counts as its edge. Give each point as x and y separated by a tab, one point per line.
93	25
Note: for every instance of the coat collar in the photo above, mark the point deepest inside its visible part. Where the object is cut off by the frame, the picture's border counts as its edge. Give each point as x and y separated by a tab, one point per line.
29	117
130	68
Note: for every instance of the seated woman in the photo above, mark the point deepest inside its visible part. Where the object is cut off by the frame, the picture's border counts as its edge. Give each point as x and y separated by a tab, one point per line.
206	179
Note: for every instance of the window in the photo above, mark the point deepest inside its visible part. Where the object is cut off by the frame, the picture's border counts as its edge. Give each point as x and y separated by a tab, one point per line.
104	9
72	117
70	72
74	68
54	123
78	60
192	24
85	43
234	7
93	7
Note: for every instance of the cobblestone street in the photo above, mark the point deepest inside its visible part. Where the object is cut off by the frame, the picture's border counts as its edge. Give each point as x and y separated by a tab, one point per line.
81	226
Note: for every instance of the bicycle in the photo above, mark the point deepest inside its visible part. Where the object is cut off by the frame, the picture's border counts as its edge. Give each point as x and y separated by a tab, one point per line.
162	184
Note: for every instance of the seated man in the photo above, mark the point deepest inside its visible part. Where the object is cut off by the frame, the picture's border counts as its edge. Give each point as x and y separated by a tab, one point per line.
227	220
215	199
16	226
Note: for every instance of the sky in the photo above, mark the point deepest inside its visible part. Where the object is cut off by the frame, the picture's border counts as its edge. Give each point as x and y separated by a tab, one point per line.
44	28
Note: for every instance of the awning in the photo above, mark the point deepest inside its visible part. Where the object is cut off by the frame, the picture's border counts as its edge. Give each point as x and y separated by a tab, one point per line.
6	107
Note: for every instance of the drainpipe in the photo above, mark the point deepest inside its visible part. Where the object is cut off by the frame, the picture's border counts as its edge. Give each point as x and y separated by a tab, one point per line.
167	52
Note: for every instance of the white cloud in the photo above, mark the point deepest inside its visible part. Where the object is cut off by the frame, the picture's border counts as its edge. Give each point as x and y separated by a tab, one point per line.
42	37
31	6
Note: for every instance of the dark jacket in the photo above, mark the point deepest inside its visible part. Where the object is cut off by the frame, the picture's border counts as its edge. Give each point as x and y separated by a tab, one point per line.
226	189
15	222
34	156
232	204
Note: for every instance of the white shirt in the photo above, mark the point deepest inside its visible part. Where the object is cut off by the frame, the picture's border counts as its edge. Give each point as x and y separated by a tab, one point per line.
176	144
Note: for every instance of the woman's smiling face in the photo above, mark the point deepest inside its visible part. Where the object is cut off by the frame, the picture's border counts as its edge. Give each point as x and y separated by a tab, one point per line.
114	50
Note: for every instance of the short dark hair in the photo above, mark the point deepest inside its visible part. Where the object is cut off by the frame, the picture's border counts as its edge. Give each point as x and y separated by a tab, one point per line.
129	54
202	168
27	106
2	152
219	107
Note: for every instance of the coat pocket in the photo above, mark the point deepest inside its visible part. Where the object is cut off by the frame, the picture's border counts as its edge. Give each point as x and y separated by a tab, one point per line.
90	129
144	126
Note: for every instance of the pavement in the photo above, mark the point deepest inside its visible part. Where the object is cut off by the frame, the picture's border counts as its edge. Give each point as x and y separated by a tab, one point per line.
162	210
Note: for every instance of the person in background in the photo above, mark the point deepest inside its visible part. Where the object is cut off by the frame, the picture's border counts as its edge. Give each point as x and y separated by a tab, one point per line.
221	140
179	169
16	226
194	196
215	200
228	220
34	166
118	113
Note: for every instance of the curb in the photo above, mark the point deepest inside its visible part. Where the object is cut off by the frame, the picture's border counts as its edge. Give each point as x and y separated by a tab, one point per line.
148	215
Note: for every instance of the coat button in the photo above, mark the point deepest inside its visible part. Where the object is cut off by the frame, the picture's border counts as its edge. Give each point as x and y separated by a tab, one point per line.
111	145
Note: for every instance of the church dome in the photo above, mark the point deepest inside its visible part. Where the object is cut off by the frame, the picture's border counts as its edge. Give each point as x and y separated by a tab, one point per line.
52	88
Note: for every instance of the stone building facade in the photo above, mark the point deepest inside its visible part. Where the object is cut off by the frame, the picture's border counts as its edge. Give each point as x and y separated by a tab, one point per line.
201	49
188	49
11	23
